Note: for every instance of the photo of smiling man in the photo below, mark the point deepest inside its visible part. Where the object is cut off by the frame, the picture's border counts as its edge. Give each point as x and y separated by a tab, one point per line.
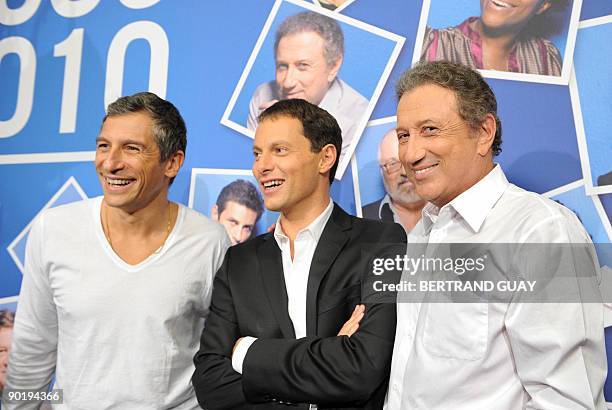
309	52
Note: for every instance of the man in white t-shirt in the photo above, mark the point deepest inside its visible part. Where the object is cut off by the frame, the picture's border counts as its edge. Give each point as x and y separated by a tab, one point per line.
116	288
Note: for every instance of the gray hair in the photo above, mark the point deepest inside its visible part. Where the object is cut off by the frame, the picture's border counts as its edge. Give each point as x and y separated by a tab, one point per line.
326	27
169	127
475	99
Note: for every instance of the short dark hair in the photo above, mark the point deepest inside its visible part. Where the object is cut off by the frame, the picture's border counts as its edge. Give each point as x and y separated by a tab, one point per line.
169	127
475	99
7	318
324	26
319	126
242	192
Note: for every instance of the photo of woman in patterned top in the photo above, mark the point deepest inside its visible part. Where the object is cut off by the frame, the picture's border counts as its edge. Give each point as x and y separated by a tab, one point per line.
509	35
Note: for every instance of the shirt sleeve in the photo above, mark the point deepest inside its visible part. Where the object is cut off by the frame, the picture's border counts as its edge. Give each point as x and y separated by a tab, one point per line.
558	346
240	352
34	350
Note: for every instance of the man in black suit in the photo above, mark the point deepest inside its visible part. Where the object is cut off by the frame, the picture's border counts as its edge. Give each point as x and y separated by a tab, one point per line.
401	204
272	339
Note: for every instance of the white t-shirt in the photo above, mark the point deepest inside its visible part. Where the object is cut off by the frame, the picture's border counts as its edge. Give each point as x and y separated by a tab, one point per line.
116	335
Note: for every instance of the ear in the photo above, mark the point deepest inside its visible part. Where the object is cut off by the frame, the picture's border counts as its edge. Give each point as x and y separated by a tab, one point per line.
486	135
333	72
174	164
327	158
214	212
544	6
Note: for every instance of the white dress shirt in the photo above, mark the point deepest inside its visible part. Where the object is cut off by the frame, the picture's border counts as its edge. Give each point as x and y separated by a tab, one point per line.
498	355
296	276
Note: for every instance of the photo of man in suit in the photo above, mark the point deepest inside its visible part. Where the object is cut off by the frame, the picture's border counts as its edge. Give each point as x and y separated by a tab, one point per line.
401	204
279	300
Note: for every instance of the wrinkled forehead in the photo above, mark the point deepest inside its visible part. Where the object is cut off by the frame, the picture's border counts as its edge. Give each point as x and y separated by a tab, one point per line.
428	102
302	43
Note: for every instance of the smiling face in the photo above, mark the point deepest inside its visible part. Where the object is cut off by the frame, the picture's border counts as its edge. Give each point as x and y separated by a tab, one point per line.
128	162
301	68
442	155
292	178
238	220
510	15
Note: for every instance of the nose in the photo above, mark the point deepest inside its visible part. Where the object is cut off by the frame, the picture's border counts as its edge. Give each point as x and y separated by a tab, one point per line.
262	165
289	79
113	160
235	234
411	151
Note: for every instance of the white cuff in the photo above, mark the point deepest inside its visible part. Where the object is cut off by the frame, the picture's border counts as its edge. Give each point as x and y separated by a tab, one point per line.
241	351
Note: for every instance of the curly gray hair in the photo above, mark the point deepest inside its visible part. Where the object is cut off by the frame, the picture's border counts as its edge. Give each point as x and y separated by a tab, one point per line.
475	99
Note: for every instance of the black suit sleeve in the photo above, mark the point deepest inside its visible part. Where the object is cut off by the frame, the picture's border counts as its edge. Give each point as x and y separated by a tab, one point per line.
326	370
216	383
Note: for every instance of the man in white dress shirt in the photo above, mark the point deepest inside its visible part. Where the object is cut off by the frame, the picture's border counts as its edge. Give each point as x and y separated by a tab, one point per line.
116	288
484	355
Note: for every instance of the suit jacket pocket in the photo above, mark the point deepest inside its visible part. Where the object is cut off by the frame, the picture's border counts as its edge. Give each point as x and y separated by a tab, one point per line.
341	297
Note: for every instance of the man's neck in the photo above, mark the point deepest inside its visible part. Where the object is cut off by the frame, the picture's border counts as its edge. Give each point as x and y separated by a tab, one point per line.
141	222
294	220
496	47
134	236
409	214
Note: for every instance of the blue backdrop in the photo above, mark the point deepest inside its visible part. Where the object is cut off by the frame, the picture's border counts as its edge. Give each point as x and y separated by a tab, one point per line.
55	72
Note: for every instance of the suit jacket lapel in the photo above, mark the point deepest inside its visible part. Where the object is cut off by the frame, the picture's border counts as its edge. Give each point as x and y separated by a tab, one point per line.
274	282
330	244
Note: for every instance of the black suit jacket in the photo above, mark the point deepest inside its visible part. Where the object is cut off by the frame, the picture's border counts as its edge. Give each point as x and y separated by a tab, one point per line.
370	211
605	179
250	299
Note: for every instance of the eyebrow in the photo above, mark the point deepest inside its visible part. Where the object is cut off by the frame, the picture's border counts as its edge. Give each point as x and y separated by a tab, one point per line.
273	144
418	124
123	142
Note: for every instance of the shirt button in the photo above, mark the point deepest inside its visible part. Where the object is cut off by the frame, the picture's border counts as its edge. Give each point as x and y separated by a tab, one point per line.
395	387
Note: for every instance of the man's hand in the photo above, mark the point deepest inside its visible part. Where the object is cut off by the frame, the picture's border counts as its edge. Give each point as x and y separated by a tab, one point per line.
351	325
